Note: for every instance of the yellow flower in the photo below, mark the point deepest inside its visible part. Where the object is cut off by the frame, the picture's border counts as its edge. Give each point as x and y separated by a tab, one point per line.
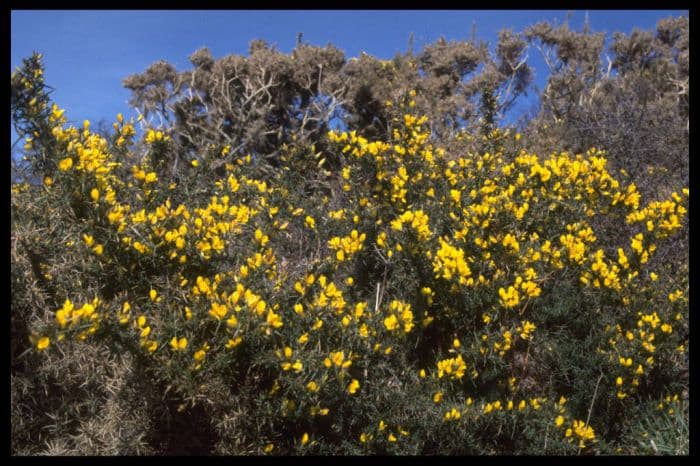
312	386
274	320
261	238
232	343
260	307
310	222
391	322
305	438
43	343
559	421
89	241
65	164
178	344
527	329
509	298
338	358
94	194
583	432
354	385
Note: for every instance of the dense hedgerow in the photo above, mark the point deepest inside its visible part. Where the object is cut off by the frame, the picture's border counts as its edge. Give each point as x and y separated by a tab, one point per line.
384	296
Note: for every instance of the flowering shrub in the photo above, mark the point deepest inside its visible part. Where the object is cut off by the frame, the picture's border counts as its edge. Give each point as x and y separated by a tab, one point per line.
398	299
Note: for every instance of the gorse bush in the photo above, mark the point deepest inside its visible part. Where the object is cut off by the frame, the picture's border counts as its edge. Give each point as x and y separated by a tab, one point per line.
382	295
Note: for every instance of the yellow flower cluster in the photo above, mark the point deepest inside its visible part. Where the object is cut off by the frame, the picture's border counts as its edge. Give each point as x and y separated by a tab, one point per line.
484	235
71	316
449	262
502	347
347	246
399	314
153	136
510	297
419	222
337	359
583	432
288	364
453	367
526	330
662	217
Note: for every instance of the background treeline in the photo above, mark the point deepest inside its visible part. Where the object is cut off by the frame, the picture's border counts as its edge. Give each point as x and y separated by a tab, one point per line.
631	95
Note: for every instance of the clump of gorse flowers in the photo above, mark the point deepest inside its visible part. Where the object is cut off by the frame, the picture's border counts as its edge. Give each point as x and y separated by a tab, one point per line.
421	302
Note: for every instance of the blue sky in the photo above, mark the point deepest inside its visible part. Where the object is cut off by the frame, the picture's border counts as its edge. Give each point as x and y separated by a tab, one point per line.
88	53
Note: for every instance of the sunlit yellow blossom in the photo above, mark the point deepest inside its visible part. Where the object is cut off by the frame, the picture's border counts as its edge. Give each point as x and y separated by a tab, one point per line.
274	320
453	414
43	343
312	386
584	432
232	343
65	164
391	322
178	344
510	297
354	386
310	222
89	241
527	329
